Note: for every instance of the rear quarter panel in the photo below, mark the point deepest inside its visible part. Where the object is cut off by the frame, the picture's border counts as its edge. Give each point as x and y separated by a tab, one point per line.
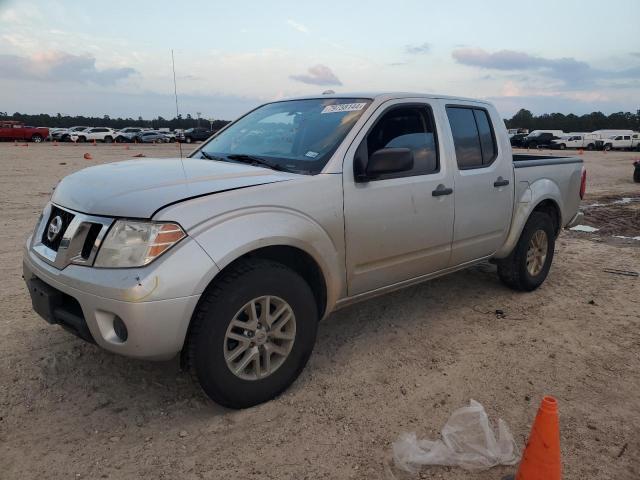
559	183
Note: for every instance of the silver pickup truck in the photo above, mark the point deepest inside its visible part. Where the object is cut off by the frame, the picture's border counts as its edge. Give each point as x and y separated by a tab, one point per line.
232	255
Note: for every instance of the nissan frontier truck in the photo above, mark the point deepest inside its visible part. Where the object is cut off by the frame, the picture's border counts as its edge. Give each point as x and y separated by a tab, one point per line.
231	256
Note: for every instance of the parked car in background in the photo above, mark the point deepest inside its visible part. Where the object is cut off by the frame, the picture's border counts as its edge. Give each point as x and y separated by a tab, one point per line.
576	140
233	255
195	134
13	130
127	134
98	134
53	131
517	139
151	136
64	135
541	138
621	142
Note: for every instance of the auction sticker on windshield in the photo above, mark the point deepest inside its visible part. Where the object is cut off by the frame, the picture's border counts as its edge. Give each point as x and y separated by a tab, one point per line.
343	107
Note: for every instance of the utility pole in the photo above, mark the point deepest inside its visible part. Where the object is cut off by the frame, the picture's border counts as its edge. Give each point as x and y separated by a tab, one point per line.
198	114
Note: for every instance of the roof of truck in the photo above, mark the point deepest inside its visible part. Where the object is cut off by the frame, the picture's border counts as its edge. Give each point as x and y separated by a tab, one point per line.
383	96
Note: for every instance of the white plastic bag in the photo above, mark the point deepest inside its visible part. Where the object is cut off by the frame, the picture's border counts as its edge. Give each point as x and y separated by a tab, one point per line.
467	441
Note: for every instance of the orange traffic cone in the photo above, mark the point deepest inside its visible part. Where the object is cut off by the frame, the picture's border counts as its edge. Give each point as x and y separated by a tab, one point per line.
94	142
580	151
55	143
541	457
87	156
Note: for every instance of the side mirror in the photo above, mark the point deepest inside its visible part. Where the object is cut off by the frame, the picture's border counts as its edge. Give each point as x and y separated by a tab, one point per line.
389	160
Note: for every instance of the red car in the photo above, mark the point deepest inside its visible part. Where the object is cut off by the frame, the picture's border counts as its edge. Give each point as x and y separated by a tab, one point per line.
12	130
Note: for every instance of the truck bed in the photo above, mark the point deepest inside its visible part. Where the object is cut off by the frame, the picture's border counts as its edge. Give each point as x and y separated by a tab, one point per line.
523	160
550	176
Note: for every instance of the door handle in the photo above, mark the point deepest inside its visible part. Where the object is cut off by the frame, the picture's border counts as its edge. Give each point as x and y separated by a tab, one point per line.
500	182
442	190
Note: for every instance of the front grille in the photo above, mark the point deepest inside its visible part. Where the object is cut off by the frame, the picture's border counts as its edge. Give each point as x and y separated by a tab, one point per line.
92	236
66	217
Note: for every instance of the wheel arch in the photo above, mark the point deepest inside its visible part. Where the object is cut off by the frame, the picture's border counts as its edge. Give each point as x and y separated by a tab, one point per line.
546	203
293	257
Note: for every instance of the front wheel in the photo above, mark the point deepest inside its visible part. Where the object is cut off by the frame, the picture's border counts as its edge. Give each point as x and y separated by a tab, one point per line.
188	140
607	147
108	140
252	333
563	146
528	265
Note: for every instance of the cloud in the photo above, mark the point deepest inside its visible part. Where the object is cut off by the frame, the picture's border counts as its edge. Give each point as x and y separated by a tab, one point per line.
318	75
297	26
635	54
417	49
568	70
60	67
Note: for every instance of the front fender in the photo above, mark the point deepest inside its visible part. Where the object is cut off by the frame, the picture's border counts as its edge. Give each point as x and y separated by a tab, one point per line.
234	234
530	197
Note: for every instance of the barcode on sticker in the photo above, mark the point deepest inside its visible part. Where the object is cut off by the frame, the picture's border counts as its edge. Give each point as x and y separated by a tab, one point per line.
343	107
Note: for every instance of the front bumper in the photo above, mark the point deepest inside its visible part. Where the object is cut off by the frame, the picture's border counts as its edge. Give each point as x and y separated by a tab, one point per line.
154	302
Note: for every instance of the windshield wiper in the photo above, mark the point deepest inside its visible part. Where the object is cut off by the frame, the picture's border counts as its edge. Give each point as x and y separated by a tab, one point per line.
241	157
208	156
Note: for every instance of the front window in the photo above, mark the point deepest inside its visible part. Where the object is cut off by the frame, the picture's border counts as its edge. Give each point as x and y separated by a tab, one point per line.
295	135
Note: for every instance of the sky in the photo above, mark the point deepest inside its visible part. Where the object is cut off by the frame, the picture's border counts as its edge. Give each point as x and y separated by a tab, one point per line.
114	58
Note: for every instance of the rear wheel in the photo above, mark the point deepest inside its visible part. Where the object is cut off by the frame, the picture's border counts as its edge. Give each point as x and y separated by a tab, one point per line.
528	265
590	146
82	139
607	147
188	140
252	333
36	138
563	146
108	140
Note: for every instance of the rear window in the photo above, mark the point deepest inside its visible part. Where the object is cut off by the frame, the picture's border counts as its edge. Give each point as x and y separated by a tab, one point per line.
473	137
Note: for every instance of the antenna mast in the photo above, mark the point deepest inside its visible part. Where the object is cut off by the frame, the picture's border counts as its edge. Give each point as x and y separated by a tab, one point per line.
175	93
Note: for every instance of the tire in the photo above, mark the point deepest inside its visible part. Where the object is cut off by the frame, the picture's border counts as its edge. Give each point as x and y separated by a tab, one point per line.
563	146
36	138
82	139
636	175
590	147
221	304
188	140
108	140
606	148
513	270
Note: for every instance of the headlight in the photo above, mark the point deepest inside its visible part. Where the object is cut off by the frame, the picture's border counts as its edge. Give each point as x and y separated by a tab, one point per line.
135	244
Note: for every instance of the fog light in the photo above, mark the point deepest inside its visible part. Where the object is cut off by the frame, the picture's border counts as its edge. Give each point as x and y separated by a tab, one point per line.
120	328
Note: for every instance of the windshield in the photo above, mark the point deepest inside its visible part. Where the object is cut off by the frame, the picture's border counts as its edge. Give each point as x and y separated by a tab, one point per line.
295	135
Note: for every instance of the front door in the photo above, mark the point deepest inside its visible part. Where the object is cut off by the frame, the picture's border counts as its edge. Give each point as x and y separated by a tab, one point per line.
396	227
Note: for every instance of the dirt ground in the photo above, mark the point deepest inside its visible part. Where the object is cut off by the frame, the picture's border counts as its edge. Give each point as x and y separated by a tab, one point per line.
399	363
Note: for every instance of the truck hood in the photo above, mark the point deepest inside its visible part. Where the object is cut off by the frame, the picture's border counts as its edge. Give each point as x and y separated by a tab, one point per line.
139	188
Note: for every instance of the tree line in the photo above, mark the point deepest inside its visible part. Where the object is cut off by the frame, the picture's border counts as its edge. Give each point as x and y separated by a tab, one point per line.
523	119
59	120
574	123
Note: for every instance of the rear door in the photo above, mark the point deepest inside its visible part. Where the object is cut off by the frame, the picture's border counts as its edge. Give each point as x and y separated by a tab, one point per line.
483	182
396	227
